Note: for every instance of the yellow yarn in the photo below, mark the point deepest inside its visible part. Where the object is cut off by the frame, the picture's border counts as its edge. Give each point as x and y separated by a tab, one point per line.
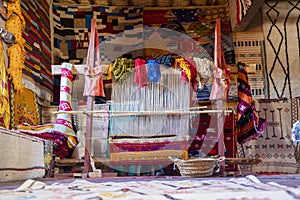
109	73
184	66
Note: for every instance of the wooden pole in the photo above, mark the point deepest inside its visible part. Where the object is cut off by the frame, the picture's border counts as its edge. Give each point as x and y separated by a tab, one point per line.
88	135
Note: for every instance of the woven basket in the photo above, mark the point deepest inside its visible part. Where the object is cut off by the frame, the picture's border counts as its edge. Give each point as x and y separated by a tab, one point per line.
197	167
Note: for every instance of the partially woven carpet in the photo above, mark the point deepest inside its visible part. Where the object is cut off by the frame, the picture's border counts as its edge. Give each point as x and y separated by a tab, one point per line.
281	33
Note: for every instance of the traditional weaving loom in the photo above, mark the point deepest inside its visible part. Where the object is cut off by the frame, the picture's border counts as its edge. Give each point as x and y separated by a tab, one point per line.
150	122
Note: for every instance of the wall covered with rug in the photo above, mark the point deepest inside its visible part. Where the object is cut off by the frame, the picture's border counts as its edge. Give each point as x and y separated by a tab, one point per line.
281	33
72	25
249	49
199	26
29	59
132	30
37	74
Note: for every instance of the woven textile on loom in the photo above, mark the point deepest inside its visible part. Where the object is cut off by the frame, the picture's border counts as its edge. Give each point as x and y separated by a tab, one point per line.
151	133
281	33
37	74
275	146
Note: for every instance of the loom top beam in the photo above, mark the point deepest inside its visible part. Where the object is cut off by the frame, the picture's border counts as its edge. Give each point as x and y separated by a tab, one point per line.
128	113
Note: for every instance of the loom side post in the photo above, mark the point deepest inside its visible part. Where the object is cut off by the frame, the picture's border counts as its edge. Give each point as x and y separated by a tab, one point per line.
88	135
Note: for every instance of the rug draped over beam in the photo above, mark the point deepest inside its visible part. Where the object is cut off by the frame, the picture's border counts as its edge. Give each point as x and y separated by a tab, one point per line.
235	188
281	33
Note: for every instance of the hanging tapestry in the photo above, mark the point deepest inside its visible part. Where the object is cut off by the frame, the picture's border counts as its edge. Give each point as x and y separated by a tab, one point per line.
15	24
37	74
4	88
190	29
24	108
249	49
249	124
274	146
239	10
72	28
281	33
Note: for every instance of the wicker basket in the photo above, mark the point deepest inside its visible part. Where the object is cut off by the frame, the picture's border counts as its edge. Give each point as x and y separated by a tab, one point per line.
197	167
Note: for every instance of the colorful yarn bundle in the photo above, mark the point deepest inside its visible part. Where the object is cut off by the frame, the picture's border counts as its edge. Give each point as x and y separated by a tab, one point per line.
167	60
188	70
153	71
140	75
121	66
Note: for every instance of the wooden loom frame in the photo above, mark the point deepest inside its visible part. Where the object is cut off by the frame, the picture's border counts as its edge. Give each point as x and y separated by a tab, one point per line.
78	69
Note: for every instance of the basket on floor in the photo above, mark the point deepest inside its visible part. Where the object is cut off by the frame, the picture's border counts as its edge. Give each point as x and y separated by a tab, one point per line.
197	167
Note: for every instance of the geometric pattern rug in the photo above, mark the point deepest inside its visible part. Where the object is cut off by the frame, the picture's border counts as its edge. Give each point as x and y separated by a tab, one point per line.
274	146
281	33
72	25
72	31
36	72
249	187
